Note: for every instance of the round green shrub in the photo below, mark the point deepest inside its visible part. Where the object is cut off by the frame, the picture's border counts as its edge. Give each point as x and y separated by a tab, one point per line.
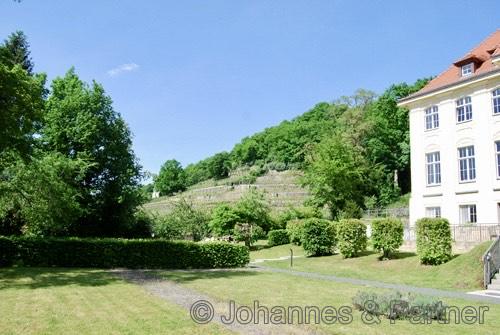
295	231
351	234
434	241
318	237
387	235
277	237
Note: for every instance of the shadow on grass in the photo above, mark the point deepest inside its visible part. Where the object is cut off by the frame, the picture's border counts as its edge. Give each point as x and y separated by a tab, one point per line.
33	278
189	276
397	255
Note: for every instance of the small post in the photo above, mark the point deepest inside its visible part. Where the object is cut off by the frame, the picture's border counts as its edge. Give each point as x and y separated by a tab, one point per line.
291	257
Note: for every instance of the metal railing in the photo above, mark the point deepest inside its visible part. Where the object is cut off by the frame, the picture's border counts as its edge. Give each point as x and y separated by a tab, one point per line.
462	233
491	261
400	212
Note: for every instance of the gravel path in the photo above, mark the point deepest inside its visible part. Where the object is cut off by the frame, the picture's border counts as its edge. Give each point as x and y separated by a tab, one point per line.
187	298
372	283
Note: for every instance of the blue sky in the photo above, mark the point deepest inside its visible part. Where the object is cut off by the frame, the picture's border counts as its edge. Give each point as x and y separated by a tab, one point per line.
192	78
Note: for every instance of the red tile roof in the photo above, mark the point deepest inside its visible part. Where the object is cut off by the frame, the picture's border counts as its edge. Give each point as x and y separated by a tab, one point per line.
481	55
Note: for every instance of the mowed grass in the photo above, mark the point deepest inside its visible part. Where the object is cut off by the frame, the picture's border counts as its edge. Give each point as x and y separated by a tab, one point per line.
464	272
261	250
73	301
278	289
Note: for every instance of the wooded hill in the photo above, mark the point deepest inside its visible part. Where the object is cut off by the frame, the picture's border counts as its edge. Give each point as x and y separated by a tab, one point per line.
354	152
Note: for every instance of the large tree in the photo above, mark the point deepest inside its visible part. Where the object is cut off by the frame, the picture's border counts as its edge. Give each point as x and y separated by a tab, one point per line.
39	197
15	51
21	108
81	123
171	178
388	142
337	174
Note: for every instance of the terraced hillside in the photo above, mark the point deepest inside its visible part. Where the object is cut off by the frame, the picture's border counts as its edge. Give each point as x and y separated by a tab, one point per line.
282	190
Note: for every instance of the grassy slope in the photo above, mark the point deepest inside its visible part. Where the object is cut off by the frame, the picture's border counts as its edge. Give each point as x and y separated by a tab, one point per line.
464	272
274	289
63	301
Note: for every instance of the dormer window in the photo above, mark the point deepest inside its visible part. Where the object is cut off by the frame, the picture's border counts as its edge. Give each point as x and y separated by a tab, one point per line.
467	69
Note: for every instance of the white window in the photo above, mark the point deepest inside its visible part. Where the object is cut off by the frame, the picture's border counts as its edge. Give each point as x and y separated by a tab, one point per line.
496	101
497	153
431	118
467	69
467	163
468	214
464	109
433	212
433	166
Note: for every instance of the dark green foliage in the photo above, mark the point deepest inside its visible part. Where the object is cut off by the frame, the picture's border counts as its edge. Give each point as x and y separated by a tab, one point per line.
171	178
109	253
41	197
224	218
80	123
318	237
388	141
183	222
351	234
395	305
387	235
295	229
219	165
15	51
434	241
7	251
278	237
21	109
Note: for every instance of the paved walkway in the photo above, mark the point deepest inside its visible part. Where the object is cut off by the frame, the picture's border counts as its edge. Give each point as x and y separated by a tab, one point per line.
474	296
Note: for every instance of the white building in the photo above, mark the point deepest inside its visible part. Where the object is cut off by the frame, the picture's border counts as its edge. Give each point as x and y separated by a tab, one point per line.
455	140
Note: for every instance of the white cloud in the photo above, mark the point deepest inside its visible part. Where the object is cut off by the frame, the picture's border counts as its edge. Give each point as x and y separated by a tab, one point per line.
123	68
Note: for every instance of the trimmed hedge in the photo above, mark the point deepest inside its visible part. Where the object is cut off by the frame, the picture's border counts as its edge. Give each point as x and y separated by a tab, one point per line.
277	237
319	237
109	253
352	237
387	235
295	230
434	241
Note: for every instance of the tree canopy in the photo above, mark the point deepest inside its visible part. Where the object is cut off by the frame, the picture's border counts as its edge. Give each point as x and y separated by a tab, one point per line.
66	160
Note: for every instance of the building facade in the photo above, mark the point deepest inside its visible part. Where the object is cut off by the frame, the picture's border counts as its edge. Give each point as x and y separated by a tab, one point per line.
455	140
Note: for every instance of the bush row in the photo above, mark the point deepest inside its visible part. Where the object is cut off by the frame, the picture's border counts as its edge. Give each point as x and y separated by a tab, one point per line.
322	237
109	253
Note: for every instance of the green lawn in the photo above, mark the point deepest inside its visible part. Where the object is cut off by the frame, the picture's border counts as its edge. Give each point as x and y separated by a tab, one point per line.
275	289
262	251
64	301
463	273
